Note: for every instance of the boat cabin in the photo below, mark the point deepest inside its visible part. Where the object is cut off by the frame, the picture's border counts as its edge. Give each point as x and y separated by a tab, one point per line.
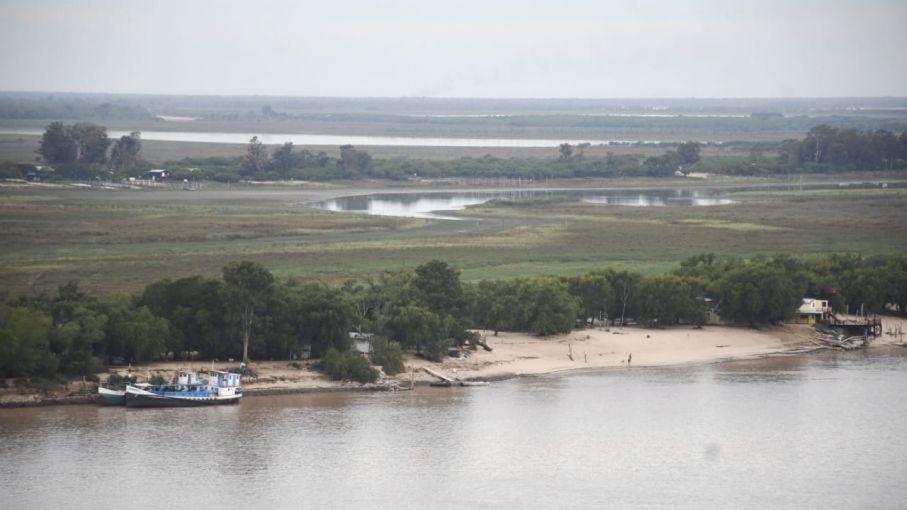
223	379
186	377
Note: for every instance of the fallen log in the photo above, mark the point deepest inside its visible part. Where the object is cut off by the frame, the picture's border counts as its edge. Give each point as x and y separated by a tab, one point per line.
439	375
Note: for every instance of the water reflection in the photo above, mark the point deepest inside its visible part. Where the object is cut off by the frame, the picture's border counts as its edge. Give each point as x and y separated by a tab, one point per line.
428	205
816	431
769	369
665	198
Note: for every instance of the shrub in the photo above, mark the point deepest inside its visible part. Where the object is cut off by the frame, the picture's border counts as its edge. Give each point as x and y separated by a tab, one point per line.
436	348
157	380
348	365
387	354
114	380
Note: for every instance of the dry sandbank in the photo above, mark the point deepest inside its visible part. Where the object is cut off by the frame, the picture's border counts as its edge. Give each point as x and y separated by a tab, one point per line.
512	355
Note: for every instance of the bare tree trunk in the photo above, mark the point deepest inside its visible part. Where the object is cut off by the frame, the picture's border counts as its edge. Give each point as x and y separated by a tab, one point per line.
625	295
247	315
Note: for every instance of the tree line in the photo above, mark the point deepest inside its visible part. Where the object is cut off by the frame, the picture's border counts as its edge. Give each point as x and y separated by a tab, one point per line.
248	313
846	148
83	151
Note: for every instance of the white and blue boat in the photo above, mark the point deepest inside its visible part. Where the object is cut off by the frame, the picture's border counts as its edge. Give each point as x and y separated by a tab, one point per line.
188	390
112	397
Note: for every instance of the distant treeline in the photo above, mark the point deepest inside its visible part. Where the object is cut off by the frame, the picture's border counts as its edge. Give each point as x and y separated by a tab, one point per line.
847	148
69	107
83	151
436	115
249	314
824	149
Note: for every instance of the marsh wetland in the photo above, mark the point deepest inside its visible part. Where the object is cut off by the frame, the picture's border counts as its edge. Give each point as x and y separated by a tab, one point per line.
112	240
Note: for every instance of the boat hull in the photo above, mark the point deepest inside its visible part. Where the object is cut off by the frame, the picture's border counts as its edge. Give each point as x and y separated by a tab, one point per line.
112	397
142	400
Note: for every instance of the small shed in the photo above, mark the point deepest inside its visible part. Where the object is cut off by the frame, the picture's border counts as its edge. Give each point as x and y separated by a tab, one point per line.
158	174
361	342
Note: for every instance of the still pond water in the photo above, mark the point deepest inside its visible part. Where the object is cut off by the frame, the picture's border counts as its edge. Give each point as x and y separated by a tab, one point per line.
427	205
815	431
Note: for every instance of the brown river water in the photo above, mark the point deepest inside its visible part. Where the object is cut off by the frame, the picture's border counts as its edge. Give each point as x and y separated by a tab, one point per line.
813	431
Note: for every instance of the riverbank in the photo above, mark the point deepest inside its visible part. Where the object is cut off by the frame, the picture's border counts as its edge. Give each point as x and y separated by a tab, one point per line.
512	355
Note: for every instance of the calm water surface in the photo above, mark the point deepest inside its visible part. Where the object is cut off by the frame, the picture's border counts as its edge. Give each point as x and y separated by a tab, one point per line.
422	204
427	205
316	139
820	431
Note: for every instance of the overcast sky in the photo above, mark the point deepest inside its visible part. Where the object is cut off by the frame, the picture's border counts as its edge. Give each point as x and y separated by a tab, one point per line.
488	48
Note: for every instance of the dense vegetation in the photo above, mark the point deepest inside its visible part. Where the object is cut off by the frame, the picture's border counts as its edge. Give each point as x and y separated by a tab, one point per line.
427	310
347	365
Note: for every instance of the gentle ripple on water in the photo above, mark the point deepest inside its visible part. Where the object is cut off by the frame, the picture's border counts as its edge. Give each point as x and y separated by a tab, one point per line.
819	431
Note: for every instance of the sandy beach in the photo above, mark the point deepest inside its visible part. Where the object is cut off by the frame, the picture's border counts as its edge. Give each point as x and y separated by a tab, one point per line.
512	355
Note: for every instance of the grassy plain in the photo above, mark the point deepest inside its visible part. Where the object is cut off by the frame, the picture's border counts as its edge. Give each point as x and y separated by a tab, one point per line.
121	240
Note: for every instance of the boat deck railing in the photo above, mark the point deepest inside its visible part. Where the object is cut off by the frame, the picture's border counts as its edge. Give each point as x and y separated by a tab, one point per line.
186	393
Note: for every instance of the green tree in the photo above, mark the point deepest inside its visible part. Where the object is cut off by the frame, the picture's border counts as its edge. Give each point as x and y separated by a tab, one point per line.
624	285
438	286
594	292
23	340
565	151
322	317
665	300
134	334
388	355
864	289
688	152
387	295
547	307
57	144
79	342
126	155
413	326
498	307
195	309
247	287
92	142
348	365
255	161
282	160
77	337
758	294
354	163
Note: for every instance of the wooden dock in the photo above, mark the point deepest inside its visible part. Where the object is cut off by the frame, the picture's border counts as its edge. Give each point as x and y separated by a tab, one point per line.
863	325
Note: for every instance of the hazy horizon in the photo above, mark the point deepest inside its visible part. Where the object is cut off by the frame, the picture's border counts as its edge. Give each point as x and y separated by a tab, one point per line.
503	49
477	98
